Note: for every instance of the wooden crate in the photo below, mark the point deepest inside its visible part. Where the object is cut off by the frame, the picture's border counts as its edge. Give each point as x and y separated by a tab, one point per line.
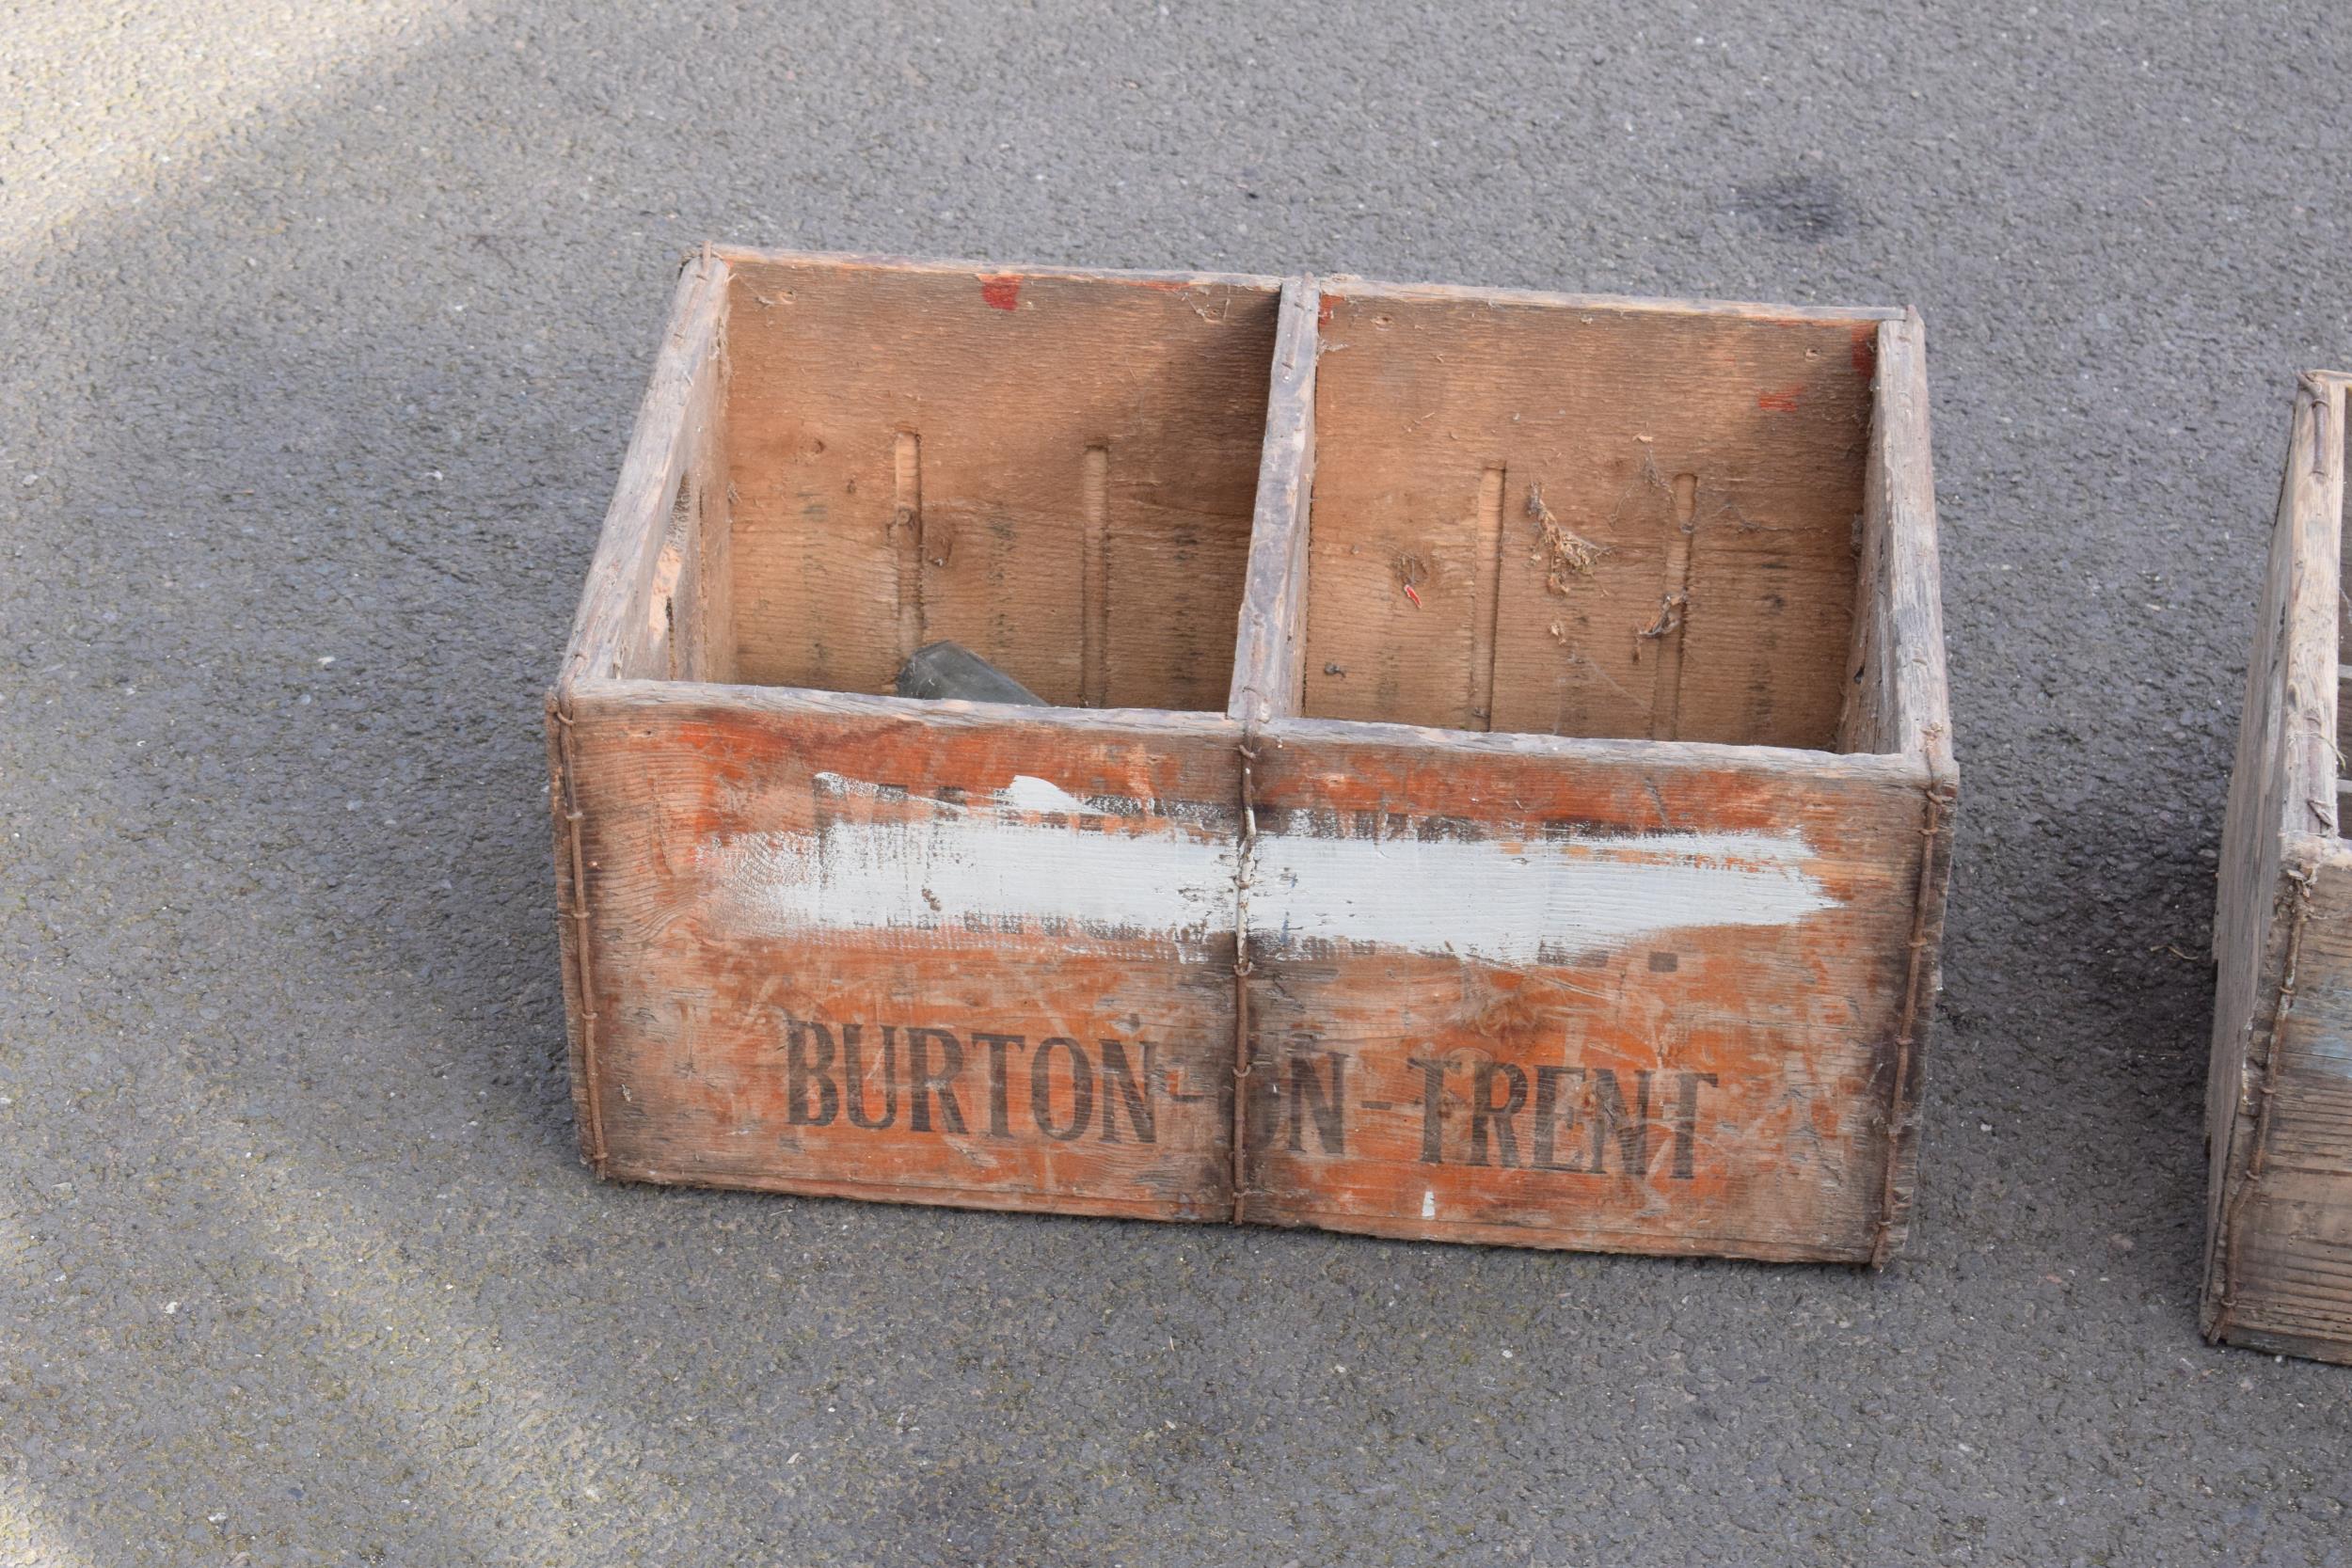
2278	1105
1500	788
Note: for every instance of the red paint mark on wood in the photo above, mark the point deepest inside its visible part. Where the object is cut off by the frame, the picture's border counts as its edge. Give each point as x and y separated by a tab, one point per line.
1323	309
1411	594
1865	353
1001	293
1784	401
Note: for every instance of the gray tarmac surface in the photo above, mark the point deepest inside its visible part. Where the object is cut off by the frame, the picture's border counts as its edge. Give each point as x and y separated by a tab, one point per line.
320	330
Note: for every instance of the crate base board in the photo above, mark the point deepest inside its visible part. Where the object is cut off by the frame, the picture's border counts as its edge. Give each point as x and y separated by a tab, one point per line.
2334	1348
996	1199
1645	1243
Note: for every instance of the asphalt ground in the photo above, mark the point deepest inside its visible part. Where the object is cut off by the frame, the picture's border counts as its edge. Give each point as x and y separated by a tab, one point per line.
320	331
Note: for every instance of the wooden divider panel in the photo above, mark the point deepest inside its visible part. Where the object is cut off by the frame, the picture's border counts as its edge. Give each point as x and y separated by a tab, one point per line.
1269	646
1591	995
927	951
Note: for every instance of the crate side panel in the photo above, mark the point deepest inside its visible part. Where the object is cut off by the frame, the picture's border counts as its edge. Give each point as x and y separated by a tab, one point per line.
621	627
1898	688
1641	1003
960	955
1056	470
2286	726
2290	1238
1585	521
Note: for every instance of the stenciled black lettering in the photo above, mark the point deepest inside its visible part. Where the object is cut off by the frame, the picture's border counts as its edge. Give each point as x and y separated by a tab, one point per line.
1486	1114
999	1122
1432	1109
922	1083
1608	1116
854	1077
1548	1082
1041	1088
803	1072
1686	1118
1135	1095
1325	1098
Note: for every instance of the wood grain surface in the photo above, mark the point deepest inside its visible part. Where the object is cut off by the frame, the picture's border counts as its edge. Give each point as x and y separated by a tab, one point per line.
1056	469
1526	509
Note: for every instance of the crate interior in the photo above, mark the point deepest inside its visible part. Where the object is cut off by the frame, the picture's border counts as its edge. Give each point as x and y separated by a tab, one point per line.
1055	472
1615	522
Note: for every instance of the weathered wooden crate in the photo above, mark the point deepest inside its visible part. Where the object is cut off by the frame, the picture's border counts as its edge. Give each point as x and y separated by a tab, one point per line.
1501	786
2278	1102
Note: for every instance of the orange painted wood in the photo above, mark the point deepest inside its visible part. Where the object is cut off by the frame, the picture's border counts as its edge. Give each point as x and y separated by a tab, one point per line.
1701	1087
1068	1063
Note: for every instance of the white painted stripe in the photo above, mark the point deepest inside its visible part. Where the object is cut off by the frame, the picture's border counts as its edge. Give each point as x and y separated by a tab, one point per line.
1504	902
958	873
1029	793
1507	902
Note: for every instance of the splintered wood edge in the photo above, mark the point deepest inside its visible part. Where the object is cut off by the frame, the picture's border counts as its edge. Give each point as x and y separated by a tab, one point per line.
947	716
1359	287
1901	449
1269	649
1470	747
744	255
656	457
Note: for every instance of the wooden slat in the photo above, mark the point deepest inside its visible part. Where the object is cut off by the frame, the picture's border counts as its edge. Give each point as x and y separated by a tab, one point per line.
681	408
1268	649
1761	1026
1595	415
1625	305
2315	610
1089	451
780	882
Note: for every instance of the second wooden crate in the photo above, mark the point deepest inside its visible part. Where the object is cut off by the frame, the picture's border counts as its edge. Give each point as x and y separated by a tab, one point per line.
2279	1107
